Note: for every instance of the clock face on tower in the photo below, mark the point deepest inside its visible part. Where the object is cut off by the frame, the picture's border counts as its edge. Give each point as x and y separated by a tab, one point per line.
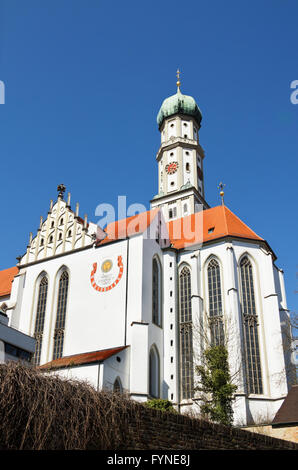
171	168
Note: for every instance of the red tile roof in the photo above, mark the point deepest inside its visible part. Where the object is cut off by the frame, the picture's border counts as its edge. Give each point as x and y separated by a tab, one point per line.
207	225
121	229
84	358
201	227
6	278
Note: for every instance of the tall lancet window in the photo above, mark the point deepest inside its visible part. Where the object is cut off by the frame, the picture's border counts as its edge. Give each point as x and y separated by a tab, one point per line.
156	292
250	329
215	304
60	318
154	373
186	334
40	317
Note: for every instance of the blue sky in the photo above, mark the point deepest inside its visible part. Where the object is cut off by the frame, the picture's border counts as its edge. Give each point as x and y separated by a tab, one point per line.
84	82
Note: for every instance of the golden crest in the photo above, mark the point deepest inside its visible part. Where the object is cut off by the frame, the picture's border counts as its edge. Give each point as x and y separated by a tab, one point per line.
106	266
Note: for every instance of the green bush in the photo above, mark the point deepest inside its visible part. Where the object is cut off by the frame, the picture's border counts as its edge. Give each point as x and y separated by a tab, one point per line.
159	404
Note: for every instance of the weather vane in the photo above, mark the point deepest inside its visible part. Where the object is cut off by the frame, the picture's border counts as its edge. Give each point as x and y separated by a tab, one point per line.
178	83
221	187
61	189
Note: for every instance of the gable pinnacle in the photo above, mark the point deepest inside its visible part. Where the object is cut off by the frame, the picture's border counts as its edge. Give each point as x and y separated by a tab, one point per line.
61	189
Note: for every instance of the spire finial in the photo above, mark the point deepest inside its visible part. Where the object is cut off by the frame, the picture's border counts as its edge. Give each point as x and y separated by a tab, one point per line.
178	83
221	187
61	189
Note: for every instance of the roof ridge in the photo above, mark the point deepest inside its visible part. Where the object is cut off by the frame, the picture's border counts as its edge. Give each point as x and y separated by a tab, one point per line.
225	217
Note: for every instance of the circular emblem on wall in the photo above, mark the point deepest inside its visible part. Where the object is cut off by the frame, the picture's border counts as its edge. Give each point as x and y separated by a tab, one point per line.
171	168
108	276
106	266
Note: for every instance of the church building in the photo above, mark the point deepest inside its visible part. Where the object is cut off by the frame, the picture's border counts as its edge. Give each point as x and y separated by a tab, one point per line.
132	306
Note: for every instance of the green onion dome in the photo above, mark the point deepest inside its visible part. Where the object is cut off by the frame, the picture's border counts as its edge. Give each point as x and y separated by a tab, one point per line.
181	104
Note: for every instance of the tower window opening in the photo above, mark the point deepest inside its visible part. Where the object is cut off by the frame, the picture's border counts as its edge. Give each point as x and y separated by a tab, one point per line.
187	167
172	212
185	136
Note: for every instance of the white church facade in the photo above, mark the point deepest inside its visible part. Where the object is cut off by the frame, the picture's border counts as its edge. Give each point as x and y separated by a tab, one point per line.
132	306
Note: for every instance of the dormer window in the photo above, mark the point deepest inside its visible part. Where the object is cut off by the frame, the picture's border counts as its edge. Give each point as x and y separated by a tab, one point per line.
211	229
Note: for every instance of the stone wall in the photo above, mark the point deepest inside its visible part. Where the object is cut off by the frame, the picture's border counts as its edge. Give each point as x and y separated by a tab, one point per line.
160	430
289	433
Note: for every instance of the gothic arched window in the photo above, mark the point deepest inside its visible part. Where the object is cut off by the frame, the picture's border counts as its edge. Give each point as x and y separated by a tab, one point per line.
154	373
156	292
250	329
185	323
40	317
117	387
60	318
215	304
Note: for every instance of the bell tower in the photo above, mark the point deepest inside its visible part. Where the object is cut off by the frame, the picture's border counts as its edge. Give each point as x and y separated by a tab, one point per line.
180	157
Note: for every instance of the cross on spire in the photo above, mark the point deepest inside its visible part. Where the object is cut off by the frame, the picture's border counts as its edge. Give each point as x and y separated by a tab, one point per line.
221	187
178	83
